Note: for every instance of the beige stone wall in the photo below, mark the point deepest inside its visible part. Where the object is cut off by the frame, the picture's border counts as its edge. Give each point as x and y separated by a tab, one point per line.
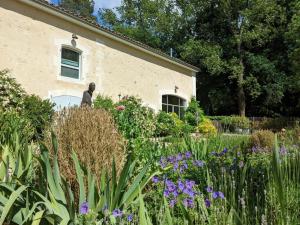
30	46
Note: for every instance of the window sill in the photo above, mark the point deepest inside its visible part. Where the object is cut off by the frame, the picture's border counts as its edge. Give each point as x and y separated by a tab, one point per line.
70	80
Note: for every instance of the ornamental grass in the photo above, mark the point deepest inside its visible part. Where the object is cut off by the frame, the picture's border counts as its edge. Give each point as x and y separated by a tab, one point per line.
93	136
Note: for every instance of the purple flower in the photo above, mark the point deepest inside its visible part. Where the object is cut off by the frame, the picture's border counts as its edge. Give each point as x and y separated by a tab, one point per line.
166	193
209	189
190	193
283	150
218	194
189	184
117	213
189	203
175	194
173	203
188	155
207	203
155	179
170	186
221	195
129	217
176	165
254	149
162	162
84	208
181	170
225	151
172	159
180	185
198	163
215	194
179	157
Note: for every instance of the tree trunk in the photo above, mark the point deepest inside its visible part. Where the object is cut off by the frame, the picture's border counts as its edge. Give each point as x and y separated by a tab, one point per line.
240	83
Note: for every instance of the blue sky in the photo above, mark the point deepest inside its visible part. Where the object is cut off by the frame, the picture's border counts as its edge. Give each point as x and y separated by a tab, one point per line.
101	3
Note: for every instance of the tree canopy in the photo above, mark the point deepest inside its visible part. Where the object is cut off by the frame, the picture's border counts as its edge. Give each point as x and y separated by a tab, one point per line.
81	7
248	50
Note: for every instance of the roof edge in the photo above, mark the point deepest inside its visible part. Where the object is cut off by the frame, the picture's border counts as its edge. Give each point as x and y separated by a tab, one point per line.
91	25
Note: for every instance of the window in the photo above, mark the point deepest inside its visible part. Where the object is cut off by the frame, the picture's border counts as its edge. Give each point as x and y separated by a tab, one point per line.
171	103
70	63
65	101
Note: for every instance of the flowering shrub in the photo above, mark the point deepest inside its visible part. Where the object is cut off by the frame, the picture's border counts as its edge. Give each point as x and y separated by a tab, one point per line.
207	127
11	93
177	188
133	119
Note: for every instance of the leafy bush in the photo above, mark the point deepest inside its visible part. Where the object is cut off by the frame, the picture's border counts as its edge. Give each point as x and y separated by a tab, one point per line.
275	124
133	119
262	140
30	108
170	124
207	127
193	114
11	122
11	93
104	102
39	112
164	124
92	134
235	122
177	129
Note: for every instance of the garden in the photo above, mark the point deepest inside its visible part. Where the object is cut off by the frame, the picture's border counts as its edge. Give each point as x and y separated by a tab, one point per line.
122	163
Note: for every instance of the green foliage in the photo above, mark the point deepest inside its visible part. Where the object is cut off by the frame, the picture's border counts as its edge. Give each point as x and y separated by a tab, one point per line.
83	8
207	127
208	55
235	122
104	102
39	112
25	113
135	120
250	58
170	124
48	199
164	124
11	93
11	122
193	113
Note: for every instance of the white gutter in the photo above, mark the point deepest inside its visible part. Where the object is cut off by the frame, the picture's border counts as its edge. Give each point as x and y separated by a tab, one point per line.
106	34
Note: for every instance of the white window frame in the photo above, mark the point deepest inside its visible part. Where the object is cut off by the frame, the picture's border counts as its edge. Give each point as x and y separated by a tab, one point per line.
172	105
72	67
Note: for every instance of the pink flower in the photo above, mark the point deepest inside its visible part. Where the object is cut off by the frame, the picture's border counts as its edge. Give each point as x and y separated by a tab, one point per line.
120	107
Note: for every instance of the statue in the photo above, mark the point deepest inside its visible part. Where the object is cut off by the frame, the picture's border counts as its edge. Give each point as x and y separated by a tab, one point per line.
87	95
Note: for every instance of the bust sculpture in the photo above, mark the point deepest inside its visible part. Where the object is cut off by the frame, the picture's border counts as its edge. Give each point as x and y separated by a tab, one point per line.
87	95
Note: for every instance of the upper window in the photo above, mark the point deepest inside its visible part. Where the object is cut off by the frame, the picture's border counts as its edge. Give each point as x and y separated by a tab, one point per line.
70	63
171	103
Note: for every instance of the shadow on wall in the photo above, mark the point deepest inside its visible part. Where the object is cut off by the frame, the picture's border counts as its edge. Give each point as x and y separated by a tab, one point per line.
41	16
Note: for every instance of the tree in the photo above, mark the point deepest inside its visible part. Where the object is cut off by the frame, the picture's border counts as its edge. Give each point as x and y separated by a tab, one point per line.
240	46
81	7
